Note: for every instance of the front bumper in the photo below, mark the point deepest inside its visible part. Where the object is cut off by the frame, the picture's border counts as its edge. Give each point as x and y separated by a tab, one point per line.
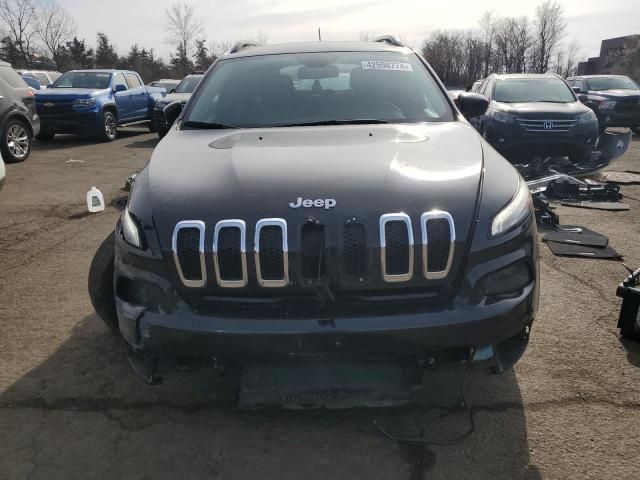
509	139
71	121
154	319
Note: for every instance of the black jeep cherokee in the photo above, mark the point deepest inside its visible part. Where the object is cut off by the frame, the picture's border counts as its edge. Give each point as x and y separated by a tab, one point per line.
320	200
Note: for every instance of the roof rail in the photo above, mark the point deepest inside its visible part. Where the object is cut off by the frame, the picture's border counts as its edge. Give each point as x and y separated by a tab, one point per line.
242	45
390	40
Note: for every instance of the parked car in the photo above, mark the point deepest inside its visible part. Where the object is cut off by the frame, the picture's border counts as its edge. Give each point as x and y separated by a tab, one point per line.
45	77
31	80
533	115
476	85
167	83
615	99
370	221
95	102
181	94
19	121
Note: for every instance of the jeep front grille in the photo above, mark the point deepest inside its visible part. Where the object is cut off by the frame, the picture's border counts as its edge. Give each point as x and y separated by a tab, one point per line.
438	240
272	252
396	247
188	252
230	253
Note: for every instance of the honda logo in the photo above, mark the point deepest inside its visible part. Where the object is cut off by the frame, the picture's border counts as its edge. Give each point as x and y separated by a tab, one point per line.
548	125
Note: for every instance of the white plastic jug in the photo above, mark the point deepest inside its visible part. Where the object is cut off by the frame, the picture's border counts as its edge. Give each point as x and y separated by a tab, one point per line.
95	200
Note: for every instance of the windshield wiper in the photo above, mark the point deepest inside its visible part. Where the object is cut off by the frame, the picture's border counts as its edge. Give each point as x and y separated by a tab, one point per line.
206	125
359	121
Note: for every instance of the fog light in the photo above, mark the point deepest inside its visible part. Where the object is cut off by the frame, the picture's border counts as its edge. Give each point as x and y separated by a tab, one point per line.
507	281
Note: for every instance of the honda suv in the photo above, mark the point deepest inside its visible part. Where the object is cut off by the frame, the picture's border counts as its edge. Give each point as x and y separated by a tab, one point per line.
536	115
362	217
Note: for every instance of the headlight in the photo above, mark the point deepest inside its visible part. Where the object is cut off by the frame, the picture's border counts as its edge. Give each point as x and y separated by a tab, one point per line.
503	117
516	212
85	102
607	105
130	229
587	117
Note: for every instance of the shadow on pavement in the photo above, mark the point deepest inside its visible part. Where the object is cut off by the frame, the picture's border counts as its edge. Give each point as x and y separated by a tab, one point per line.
149	143
633	351
62	141
82	413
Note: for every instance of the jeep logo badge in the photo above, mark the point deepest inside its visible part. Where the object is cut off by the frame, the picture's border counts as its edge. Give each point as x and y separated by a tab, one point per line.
327	203
548	125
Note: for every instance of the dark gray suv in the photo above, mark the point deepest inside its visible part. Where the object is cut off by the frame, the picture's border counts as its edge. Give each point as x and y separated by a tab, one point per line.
19	122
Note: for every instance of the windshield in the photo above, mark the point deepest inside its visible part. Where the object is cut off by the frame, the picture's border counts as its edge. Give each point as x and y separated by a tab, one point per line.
188	85
312	88
611	83
92	80
521	90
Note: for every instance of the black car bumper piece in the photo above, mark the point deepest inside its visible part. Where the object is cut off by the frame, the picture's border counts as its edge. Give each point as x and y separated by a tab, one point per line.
619	119
155	319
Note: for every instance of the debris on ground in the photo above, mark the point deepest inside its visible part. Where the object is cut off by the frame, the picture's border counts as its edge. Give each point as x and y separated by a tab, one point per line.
610	206
625	178
576	241
128	182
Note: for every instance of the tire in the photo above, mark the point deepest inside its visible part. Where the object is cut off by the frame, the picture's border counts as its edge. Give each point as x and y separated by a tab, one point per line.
100	284
162	131
45	135
152	127
109	131
16	141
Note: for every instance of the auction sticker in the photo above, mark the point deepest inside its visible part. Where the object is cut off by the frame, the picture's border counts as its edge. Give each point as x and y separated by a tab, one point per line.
394	66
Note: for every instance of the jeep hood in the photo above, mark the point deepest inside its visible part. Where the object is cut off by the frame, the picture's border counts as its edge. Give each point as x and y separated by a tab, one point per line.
368	170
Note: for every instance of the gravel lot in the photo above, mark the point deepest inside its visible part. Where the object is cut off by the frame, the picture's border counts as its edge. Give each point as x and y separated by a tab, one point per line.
70	407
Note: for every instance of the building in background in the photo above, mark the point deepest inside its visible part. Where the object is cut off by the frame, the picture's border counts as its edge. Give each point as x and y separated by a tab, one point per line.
619	56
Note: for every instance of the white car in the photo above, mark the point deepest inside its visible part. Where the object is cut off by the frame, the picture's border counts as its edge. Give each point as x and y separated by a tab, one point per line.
46	77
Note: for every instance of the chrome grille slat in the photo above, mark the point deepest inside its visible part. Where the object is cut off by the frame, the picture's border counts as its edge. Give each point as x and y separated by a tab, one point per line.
200	226
384	220
282	225
242	250
425	218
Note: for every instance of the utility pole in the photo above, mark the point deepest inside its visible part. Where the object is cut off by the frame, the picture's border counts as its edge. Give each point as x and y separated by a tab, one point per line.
319	35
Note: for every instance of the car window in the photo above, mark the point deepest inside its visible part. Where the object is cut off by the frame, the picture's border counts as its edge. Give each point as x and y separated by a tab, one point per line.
188	84
119	80
132	80
612	83
274	90
54	76
535	89
579	84
90	80
12	78
44	80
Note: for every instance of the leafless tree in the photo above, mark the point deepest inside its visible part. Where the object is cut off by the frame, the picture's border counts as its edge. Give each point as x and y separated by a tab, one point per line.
182	26
550	28
20	19
487	29
55	26
367	36
261	37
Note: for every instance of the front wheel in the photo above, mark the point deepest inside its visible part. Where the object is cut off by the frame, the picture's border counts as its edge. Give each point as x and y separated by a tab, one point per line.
109	127
100	284
16	141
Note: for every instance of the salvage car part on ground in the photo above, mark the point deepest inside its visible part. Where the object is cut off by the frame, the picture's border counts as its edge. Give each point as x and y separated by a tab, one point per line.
290	232
629	319
612	206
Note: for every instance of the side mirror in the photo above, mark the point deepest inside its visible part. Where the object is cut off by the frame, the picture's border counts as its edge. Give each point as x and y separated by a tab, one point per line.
172	112
472	104
576	89
119	88
583	98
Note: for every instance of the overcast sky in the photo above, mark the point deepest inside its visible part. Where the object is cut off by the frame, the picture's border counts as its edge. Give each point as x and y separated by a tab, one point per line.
130	21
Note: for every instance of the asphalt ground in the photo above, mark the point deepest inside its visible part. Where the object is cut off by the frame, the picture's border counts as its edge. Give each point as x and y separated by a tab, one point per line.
70	406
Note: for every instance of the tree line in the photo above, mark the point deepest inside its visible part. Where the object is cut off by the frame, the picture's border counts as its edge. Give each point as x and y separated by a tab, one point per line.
504	45
43	34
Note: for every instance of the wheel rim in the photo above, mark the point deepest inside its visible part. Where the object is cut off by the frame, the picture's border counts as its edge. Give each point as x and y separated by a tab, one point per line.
18	141
110	126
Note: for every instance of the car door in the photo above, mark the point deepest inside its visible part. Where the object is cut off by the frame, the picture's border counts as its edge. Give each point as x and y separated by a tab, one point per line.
138	93
124	100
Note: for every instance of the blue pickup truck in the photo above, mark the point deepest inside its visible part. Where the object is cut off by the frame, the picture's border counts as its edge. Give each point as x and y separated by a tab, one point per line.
95	102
